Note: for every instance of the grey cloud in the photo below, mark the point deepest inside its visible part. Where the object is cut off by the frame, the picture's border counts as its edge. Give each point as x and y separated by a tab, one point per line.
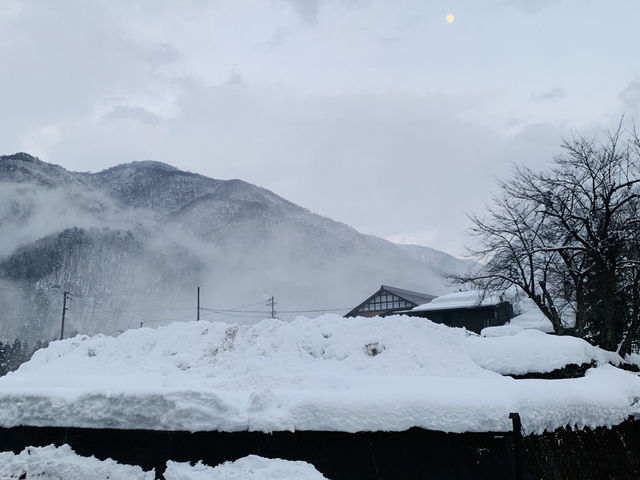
630	97
307	9
162	53
403	151
234	79
128	112
277	38
531	6
554	94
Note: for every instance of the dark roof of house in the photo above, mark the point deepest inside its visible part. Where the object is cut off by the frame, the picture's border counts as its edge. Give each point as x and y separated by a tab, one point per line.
415	297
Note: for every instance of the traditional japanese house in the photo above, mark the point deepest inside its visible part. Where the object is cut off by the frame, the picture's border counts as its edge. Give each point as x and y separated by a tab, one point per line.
389	300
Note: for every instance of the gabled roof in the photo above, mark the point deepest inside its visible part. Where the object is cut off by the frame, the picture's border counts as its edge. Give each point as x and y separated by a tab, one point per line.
417	298
414	297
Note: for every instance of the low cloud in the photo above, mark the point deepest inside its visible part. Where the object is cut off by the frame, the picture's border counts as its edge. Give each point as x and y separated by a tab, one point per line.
553	94
128	112
630	98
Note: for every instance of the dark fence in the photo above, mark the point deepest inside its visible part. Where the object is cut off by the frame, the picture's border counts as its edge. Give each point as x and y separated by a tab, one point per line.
413	454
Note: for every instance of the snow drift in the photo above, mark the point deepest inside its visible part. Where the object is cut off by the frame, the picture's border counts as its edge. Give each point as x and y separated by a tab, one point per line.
328	373
53	462
251	467
62	462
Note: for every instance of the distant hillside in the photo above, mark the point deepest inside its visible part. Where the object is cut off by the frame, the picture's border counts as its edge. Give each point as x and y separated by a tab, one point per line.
132	242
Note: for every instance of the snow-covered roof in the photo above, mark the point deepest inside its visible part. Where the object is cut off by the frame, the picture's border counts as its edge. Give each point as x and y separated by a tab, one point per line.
466	299
327	373
414	297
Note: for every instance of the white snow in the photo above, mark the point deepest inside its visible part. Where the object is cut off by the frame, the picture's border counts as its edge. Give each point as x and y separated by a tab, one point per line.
251	467
633	358
54	463
328	373
466	299
527	351
531	317
501	331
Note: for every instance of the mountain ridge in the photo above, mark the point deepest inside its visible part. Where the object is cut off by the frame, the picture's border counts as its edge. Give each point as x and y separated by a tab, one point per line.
238	240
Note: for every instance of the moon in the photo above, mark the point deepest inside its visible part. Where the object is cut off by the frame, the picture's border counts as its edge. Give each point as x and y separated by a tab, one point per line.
450	18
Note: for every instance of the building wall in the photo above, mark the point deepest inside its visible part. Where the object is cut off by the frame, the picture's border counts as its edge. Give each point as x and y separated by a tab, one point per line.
473	319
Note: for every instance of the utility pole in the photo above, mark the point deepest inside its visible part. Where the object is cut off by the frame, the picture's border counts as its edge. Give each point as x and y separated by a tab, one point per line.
198	316
65	296
273	312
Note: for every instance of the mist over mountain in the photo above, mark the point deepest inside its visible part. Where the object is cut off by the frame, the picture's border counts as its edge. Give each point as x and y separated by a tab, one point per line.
132	243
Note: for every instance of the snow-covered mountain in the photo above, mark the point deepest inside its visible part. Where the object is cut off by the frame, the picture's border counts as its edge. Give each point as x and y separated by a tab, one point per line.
132	242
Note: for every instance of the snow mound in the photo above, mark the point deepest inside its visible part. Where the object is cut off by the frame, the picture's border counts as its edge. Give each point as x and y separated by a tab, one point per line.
501	331
532	319
54	463
328	373
528	351
251	467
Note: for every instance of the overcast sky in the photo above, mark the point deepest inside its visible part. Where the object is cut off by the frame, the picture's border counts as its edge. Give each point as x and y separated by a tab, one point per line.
379	114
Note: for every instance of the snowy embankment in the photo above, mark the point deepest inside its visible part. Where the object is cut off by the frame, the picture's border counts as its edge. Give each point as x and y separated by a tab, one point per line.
62	462
328	373
247	468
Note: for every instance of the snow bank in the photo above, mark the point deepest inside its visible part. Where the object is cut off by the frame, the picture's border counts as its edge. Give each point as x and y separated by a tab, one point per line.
501	331
532	318
53	463
527	351
247	468
328	373
633	358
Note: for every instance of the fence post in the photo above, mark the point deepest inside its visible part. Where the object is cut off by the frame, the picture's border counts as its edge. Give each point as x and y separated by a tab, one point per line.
517	443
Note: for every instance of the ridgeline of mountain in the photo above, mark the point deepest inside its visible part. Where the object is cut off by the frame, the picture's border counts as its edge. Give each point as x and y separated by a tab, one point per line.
132	242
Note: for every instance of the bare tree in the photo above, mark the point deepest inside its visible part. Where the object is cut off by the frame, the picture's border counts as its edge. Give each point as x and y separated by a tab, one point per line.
570	237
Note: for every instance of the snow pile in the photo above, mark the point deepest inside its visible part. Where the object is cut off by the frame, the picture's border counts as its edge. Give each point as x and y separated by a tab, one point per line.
633	358
53	463
328	373
247	468
527	351
531	317
466	299
501	331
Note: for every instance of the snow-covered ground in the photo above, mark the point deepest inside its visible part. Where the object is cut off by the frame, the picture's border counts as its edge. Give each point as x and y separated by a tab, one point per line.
55	463
523	351
49	463
247	468
327	373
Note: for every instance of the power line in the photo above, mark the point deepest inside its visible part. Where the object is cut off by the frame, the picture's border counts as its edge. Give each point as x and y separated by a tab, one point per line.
235	312
262	302
316	311
279	311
